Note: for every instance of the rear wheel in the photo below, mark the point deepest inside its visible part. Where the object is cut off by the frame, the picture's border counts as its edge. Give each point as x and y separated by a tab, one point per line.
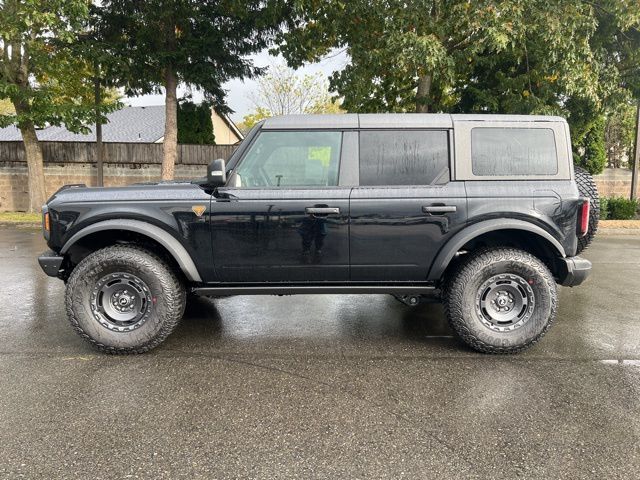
501	300
587	188
124	299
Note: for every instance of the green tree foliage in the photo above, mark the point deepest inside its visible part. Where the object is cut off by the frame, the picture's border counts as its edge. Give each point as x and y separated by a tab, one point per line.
594	157
615	56
575	58
282	91
571	57
41	76
620	135
6	107
194	124
200	43
249	120
420	55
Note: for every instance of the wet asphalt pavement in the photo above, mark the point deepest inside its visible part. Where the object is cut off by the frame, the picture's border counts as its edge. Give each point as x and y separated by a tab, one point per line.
321	386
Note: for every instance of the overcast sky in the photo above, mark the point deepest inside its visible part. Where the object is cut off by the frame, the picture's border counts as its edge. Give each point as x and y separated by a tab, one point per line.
238	91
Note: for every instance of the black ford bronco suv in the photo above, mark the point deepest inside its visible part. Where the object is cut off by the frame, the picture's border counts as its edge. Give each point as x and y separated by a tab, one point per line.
483	212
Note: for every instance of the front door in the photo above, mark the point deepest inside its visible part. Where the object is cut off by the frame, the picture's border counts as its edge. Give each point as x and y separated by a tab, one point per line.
405	207
285	219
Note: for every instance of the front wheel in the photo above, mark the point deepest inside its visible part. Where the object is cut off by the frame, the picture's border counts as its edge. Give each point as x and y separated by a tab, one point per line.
124	299
501	300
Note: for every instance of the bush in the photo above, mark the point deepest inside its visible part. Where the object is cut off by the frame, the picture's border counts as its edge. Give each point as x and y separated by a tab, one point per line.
594	157
194	124
619	208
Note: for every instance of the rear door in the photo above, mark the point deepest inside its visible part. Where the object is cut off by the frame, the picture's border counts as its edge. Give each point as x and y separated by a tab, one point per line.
284	217
406	207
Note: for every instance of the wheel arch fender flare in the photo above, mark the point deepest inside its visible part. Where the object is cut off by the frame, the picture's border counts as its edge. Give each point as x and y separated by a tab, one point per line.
164	238
449	250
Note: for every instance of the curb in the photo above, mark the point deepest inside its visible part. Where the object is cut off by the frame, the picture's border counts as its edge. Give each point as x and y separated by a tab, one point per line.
618	231
37	226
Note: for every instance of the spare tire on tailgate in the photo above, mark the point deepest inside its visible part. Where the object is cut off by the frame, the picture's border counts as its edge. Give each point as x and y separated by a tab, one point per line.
587	188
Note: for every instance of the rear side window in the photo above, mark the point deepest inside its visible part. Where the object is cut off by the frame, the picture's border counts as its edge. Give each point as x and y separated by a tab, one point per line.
513	151
404	157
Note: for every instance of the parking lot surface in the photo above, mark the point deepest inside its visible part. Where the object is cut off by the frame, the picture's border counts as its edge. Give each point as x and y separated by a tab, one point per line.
321	386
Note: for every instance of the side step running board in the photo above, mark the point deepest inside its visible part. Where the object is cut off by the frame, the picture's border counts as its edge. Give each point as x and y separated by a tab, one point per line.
330	289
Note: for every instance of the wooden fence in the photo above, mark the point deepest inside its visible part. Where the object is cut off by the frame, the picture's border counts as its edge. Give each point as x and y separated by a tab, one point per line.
116	153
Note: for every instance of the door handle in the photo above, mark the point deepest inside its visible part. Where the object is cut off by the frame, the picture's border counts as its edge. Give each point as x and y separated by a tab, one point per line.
322	210
438	209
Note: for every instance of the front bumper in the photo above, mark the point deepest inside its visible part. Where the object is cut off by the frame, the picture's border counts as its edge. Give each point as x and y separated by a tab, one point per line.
573	271
51	263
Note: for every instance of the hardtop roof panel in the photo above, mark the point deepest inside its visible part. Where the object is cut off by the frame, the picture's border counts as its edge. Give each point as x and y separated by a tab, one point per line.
302	122
504	118
393	120
405	120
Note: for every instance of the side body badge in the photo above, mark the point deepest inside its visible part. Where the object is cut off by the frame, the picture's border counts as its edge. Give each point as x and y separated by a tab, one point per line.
198	209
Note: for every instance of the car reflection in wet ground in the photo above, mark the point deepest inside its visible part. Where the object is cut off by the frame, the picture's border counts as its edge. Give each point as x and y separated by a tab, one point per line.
321	386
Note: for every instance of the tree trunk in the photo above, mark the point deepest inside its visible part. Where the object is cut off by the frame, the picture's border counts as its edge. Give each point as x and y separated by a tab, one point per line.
171	126
35	167
422	95
99	147
35	164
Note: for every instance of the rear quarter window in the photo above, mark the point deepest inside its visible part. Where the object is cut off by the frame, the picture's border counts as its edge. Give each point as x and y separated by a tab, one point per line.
513	151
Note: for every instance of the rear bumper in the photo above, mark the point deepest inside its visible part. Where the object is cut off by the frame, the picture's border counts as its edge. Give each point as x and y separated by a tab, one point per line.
51	263
573	271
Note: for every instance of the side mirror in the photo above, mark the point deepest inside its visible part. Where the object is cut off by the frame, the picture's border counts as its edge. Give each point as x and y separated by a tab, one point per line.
217	173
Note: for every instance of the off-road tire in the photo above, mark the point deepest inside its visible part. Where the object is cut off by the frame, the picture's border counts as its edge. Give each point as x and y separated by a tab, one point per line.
460	298
587	188
166	292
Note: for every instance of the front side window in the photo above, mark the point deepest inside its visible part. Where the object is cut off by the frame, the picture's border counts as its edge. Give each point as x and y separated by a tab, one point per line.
513	151
291	159
404	157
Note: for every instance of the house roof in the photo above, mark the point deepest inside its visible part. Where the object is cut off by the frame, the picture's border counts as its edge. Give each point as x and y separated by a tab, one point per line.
129	125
